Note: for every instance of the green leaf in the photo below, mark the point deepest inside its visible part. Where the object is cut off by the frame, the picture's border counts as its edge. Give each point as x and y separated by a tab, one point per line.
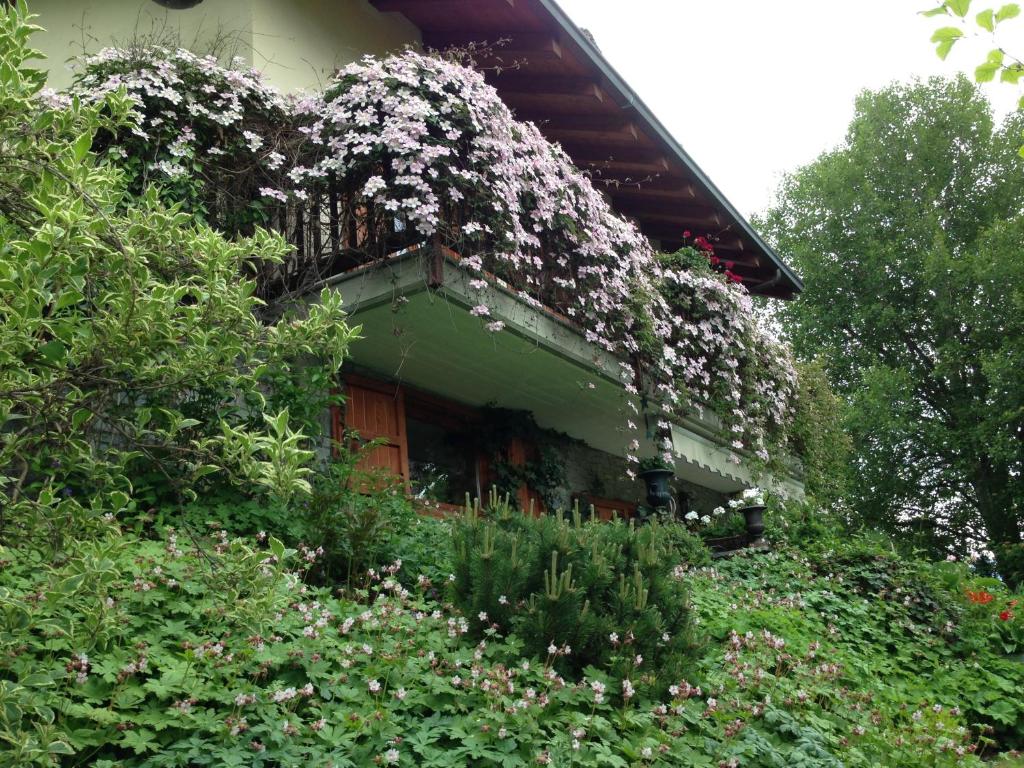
959	7
947	33
1008	11
946	37
985	21
1012	74
940	11
82	145
277	547
53	351
60	748
79	417
985	73
36	680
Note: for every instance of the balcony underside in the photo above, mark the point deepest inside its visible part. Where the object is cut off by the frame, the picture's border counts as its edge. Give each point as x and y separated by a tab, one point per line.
417	329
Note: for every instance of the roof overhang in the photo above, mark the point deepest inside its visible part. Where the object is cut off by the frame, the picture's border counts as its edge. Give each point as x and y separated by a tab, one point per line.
550	73
414	311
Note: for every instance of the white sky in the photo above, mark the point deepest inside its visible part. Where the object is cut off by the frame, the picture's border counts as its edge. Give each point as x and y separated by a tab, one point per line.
755	88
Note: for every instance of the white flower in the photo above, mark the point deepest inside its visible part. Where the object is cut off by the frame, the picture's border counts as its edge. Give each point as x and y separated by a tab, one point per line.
373	185
691	515
254	141
718	511
706	520
391	756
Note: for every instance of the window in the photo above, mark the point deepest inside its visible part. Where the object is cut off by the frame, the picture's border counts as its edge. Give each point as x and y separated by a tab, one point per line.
442	464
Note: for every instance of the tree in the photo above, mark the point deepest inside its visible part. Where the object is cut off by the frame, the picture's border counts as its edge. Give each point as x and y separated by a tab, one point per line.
911	242
129	340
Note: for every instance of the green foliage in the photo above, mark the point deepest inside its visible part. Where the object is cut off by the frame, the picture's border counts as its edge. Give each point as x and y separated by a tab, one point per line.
542	472
818	436
353	520
1011	563
130	338
580	593
209	652
909	237
998	61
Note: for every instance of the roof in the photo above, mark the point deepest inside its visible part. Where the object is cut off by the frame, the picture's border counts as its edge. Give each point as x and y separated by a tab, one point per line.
551	73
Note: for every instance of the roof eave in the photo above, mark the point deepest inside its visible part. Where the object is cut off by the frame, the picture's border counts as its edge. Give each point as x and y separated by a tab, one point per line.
636	103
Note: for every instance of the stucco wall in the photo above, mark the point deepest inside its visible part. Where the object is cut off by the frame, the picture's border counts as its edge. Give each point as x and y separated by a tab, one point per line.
77	26
297	43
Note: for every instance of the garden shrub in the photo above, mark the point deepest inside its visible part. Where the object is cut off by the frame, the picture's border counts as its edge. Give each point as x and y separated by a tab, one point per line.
578	592
119	316
352	521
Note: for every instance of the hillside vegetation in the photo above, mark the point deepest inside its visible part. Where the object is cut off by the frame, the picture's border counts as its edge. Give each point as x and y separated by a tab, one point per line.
173	652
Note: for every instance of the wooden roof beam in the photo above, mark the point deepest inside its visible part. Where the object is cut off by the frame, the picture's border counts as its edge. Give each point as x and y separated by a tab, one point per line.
528	46
667	209
400	6
626	168
518	86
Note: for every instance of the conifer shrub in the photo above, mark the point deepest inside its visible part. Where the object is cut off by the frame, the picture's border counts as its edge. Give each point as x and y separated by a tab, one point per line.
579	593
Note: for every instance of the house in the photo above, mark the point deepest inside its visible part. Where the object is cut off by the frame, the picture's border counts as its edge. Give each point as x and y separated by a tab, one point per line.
429	380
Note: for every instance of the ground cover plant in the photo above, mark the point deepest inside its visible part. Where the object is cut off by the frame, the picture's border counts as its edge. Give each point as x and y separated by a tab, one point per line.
178	652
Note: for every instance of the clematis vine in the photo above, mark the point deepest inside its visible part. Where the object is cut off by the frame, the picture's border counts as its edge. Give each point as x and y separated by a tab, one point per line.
414	148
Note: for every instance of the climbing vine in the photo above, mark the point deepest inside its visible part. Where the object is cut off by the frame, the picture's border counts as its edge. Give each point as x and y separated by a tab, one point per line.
417	147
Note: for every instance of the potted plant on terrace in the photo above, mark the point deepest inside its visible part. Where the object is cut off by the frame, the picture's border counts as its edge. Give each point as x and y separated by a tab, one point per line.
656	472
751	504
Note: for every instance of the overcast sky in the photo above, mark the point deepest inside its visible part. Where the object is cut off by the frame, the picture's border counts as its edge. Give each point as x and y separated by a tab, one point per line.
753	88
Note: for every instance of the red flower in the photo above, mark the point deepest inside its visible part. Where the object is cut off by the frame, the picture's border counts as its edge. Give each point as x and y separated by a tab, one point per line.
981	597
714	261
733	276
1006	615
686	233
729	265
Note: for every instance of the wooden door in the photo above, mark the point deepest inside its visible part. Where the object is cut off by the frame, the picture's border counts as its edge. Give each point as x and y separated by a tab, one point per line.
376	411
520	452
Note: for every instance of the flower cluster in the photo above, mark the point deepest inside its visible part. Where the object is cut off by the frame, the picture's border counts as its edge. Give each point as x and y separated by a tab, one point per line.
193	120
413	147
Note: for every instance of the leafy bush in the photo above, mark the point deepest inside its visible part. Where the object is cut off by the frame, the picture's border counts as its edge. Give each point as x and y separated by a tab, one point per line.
579	593
353	520
131	353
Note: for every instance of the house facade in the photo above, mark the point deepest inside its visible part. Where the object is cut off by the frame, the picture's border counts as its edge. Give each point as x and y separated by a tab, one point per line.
428	380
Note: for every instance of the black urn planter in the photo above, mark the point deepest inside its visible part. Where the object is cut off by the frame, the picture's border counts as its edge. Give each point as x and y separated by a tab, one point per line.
754	517
658	492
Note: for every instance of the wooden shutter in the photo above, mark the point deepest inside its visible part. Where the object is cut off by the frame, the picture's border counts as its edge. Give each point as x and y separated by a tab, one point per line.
376	410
